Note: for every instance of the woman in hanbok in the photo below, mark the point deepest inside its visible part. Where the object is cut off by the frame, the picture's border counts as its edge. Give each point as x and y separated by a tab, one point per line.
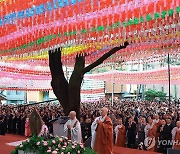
27	128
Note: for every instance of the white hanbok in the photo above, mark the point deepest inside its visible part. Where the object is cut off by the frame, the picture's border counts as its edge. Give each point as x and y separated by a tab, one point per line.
76	135
93	129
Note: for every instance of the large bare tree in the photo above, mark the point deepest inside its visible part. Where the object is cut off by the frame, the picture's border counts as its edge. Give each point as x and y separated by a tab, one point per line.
68	93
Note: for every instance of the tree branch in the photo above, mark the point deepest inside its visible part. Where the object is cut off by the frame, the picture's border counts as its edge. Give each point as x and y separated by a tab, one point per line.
59	83
78	67
55	63
79	63
104	57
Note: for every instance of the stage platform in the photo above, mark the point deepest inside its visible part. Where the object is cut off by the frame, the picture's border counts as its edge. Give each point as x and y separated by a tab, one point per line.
8	142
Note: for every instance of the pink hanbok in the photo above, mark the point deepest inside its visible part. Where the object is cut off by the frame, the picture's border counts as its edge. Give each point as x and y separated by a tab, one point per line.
27	128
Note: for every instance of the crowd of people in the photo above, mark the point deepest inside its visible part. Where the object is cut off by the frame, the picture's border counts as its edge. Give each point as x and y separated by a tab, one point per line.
136	124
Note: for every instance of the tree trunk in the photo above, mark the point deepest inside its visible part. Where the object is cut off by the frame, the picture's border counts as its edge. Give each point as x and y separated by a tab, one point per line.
68	94
59	83
74	90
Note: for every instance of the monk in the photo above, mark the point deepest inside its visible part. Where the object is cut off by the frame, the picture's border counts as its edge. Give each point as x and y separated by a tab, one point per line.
73	128
150	133
156	120
120	131
176	136
102	133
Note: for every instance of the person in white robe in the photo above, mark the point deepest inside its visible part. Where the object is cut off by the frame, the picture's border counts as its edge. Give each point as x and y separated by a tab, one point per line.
94	127
73	128
147	128
120	128
150	135
156	119
174	137
116	130
44	130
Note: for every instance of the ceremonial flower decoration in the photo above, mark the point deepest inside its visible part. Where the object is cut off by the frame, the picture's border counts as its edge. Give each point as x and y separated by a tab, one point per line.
53	141
27	140
45	143
36	144
65	143
54	152
48	151
21	146
60	139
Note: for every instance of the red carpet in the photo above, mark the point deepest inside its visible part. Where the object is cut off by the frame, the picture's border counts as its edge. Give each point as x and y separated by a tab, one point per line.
6	149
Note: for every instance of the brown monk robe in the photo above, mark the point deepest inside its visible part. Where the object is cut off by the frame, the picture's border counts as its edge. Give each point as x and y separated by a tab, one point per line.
120	131
151	132
103	142
157	122
176	136
177	139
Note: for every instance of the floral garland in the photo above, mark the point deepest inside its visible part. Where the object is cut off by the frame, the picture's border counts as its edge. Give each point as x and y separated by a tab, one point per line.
54	145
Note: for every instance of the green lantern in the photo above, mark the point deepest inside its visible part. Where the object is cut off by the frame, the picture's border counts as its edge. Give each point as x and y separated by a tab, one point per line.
171	12
178	9
136	21
148	17
163	14
130	22
142	19
156	15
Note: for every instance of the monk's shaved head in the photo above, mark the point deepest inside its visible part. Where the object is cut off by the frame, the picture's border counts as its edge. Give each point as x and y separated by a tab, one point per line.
104	111
72	115
178	124
156	116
